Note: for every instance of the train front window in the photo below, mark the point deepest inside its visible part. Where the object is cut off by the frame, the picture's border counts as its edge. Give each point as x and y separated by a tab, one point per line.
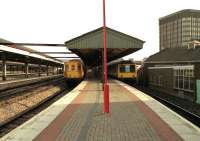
79	67
132	68
127	68
122	68
73	68
66	67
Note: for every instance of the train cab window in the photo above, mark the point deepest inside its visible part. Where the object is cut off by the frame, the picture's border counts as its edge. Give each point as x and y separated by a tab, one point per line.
72	67
122	68
79	67
132	68
127	68
67	67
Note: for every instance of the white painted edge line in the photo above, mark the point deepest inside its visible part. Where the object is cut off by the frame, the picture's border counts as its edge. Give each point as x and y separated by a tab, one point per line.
131	89
33	127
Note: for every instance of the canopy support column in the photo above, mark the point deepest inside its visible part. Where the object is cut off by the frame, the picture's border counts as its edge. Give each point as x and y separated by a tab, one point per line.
47	67
26	70
4	67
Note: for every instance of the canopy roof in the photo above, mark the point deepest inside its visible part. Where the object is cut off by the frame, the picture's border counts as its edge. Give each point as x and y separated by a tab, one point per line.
89	46
20	53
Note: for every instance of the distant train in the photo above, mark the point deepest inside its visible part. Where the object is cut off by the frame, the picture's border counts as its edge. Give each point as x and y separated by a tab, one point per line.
123	70
74	70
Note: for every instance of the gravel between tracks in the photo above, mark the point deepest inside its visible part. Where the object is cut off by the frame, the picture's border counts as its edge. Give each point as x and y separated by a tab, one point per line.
9	108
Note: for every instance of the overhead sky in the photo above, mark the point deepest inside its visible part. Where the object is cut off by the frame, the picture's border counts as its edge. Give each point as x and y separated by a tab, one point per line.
56	21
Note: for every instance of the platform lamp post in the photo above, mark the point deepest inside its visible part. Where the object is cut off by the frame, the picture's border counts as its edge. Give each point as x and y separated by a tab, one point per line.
106	86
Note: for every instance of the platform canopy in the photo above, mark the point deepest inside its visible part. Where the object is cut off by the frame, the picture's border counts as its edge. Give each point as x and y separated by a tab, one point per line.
89	46
18	53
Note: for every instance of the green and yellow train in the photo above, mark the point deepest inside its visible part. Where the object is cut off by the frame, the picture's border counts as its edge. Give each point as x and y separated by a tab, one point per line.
123	70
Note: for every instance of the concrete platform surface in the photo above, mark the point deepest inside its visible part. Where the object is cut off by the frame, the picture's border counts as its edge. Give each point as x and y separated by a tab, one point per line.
78	116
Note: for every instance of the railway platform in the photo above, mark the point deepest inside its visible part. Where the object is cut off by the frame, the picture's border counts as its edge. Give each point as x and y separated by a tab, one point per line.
78	116
25	81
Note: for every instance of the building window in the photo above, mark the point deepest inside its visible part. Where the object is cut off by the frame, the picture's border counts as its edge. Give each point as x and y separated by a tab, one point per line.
159	80
156	80
184	79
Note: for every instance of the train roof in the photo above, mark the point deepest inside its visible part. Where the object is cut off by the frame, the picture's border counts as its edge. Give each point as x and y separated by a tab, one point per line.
122	62
76	60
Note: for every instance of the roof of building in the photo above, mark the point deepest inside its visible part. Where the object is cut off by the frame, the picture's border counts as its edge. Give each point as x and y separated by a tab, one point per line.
89	46
179	14
175	55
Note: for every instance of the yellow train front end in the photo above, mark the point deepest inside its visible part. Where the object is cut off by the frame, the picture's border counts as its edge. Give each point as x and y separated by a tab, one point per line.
123	70
127	72
73	70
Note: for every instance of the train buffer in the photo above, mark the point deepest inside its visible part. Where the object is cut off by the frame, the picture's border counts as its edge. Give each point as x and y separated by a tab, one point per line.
78	116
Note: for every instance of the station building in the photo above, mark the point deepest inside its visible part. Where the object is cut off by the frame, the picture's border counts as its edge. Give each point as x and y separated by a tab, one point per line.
179	28
175	71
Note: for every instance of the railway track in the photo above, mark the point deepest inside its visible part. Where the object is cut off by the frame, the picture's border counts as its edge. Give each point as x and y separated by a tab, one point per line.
195	119
27	87
21	117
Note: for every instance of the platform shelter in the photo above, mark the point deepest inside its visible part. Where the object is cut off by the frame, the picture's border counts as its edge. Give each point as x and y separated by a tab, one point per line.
89	46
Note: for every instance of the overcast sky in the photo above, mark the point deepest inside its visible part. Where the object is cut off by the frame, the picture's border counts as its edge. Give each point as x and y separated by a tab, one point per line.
56	21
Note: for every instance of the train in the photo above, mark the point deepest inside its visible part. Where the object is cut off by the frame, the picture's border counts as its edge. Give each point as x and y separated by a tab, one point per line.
124	70
74	70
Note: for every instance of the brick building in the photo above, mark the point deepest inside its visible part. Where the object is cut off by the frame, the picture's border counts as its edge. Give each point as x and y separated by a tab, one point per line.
174	71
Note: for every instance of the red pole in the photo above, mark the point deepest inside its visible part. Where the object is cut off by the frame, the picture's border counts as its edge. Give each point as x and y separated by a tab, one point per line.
106	86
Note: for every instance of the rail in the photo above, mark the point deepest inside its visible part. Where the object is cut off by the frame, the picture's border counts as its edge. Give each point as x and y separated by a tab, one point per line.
23	116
